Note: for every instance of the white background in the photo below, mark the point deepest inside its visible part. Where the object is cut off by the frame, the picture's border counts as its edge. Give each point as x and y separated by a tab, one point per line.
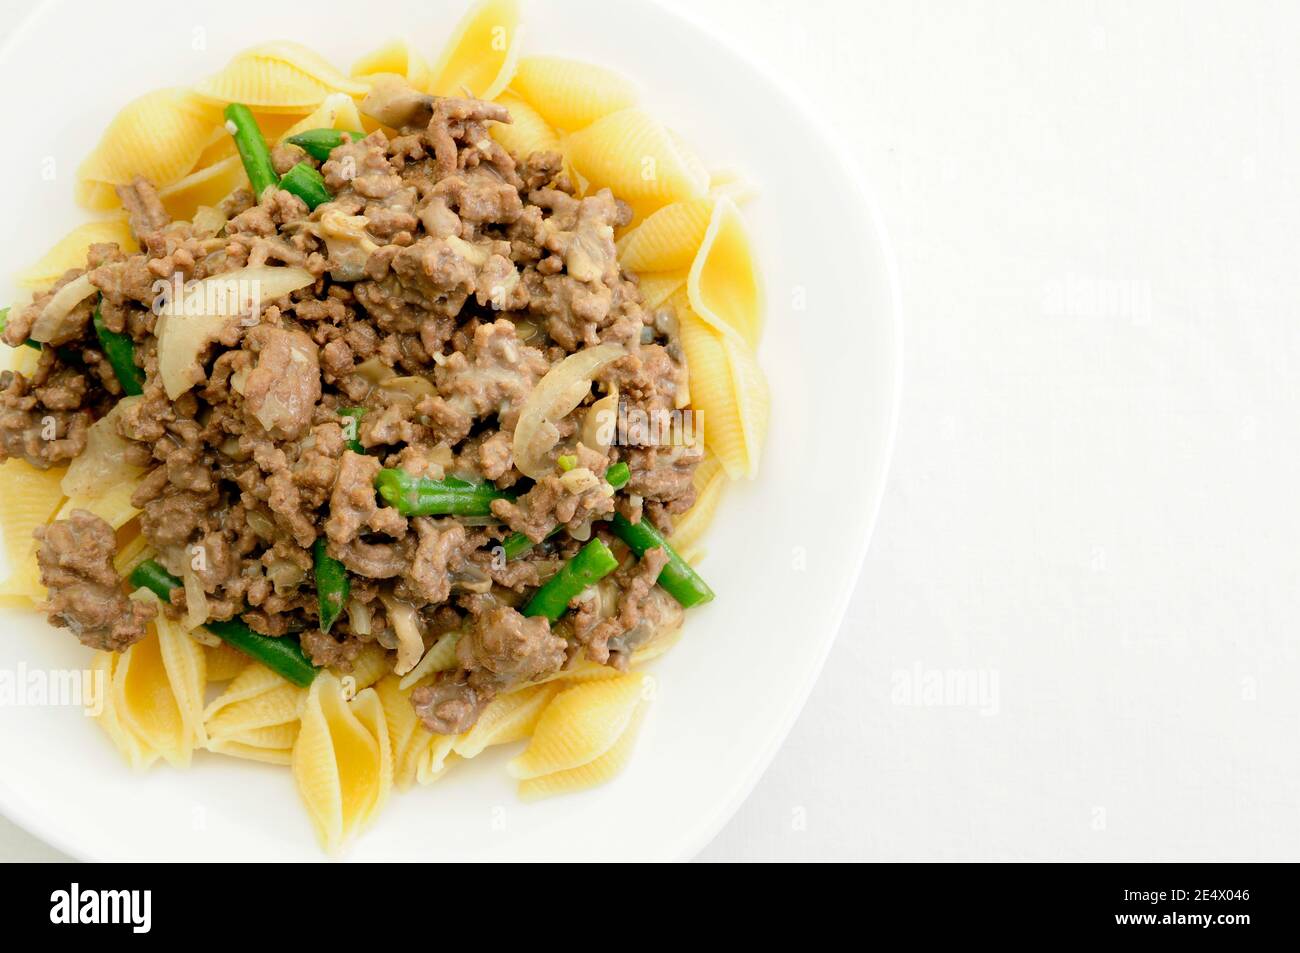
1092	513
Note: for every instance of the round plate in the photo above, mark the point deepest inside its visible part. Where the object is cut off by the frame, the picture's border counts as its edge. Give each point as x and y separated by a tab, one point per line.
783	554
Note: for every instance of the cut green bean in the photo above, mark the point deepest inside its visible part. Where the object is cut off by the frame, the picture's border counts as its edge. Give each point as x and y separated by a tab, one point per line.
678	579
516	544
282	655
332	585
120	351
319	143
152	576
252	148
419	496
591	564
356	413
306	183
618	475
4	321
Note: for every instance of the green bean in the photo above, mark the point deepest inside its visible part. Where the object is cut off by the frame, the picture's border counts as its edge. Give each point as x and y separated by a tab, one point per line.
252	148
332	584
4	321
591	564
152	576
678	579
282	655
419	496
516	544
306	183
354	442
618	475
120	351
319	143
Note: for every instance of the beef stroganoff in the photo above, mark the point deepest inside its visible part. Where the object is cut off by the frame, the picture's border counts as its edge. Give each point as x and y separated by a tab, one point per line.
379	418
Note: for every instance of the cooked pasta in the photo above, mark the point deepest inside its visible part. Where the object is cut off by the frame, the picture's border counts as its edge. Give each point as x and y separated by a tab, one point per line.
71	250
397	57
570	95
278	78
130	145
479	59
638	159
384	512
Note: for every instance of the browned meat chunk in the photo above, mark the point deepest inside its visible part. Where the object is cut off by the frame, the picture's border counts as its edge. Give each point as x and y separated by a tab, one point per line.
143	207
283	387
501	649
76	560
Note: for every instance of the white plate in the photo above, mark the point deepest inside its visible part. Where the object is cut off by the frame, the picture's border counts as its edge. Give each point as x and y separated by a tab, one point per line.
783	554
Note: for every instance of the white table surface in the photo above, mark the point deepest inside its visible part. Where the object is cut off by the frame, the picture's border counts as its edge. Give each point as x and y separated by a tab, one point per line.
1075	636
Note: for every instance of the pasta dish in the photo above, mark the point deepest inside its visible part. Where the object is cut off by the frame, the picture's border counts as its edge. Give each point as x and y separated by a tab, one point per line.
377	417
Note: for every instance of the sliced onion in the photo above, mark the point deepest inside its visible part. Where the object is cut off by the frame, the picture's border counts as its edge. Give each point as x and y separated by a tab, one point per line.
406	626
556	396
403	389
52	325
284	575
440	658
360	615
196	600
102	466
188	325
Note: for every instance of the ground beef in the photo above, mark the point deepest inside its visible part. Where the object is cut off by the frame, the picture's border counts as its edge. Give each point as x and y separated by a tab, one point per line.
500	649
441	260
144	208
76	561
283	387
640	613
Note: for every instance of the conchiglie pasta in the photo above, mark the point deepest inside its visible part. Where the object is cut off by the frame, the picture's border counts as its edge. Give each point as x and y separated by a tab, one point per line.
114	506
370	665
657	288
71	250
256	717
104	709
723	286
527	132
396	57
571	95
336	111
155	691
278	77
638	159
225	662
506	719
728	387
207	186
709	481
341	760
595	772
667	240
434	758
159	136
579	725
482	53
30	500
407	737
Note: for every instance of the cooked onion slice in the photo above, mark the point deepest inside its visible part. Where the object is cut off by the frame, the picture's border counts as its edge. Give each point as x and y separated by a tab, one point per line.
556	396
406	626
187	326
51	325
